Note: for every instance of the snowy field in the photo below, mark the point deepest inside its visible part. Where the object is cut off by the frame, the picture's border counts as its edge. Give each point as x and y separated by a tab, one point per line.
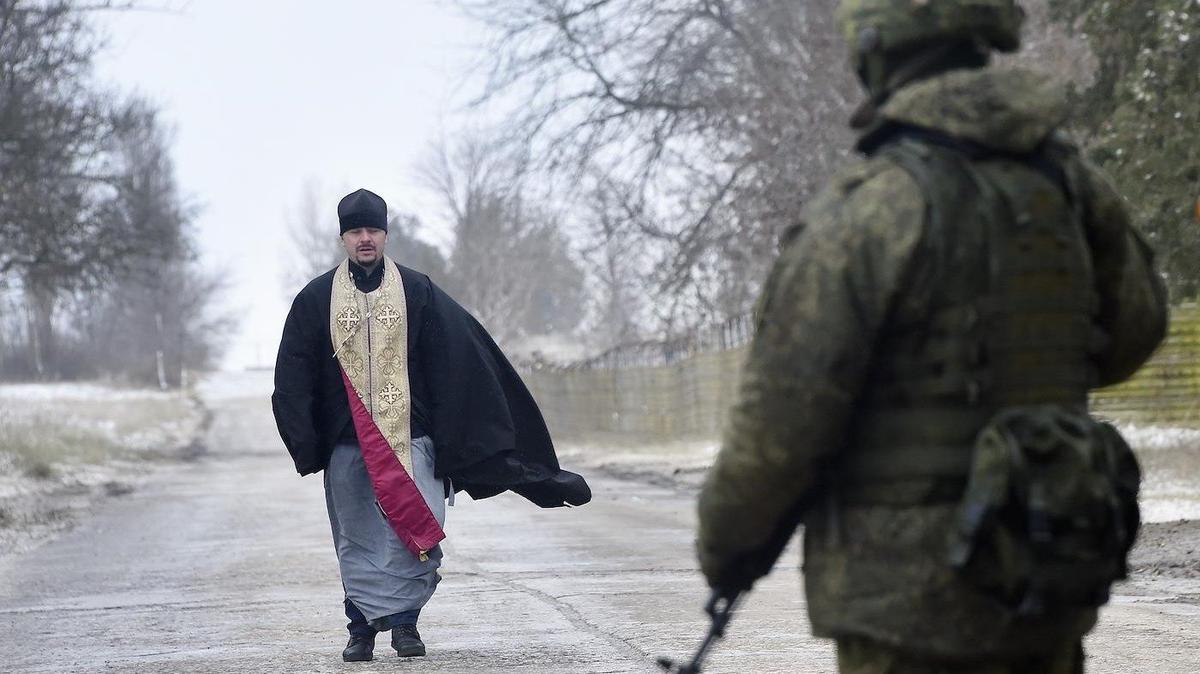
111	418
220	386
1170	458
75	392
63	445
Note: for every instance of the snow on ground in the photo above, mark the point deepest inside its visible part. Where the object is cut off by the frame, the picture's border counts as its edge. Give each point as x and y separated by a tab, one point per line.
1170	458
683	454
237	384
1149	437
69	429
64	445
150	422
75	391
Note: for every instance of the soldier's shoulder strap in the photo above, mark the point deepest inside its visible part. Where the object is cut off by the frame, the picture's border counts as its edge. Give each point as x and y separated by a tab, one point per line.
1056	157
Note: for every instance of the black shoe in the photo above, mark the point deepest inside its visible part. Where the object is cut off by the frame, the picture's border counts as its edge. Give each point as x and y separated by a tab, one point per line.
360	649
407	641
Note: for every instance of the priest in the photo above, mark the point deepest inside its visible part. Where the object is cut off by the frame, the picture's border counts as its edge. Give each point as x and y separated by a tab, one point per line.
401	398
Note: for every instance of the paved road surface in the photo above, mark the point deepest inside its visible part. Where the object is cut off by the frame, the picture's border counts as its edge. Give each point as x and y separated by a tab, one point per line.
225	565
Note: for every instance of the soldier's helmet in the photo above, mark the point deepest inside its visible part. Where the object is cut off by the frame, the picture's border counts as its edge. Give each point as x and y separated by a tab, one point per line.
881	26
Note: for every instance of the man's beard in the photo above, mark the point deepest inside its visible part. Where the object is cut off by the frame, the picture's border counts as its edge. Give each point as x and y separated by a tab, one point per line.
366	258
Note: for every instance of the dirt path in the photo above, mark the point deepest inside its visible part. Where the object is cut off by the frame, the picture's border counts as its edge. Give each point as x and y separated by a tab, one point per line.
225	565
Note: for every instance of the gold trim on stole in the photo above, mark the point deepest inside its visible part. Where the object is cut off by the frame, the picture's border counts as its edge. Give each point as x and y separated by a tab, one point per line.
370	341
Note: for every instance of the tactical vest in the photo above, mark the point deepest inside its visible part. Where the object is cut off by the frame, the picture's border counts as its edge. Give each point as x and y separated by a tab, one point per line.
997	310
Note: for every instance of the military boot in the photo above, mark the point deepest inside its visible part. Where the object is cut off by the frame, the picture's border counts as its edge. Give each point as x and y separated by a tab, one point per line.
407	641
360	649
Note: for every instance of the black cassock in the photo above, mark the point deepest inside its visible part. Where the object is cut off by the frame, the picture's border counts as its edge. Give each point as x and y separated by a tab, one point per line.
488	431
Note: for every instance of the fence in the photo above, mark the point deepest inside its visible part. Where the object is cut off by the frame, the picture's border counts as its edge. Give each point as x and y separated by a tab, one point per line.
647	392
682	389
1167	388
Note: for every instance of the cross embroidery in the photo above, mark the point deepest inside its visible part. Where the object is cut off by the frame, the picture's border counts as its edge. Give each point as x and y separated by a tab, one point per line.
391	394
390	362
348	318
388	316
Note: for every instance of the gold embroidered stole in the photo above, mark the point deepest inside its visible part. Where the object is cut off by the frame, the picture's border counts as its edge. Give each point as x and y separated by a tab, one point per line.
370	341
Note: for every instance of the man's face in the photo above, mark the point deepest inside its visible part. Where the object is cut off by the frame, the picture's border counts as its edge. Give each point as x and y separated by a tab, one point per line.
364	245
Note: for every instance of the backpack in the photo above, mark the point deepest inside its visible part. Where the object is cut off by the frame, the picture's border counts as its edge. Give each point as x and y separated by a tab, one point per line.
1050	510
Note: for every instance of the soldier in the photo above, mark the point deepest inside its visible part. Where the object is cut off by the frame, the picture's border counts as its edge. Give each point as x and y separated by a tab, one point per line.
916	391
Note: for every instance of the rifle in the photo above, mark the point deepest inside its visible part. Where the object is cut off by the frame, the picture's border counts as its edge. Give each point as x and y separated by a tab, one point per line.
747	569
720	607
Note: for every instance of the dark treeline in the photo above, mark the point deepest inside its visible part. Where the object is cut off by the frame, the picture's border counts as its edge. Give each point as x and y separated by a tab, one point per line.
98	266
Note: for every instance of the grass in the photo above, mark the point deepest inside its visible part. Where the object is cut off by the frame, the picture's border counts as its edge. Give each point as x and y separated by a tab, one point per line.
40	436
41	441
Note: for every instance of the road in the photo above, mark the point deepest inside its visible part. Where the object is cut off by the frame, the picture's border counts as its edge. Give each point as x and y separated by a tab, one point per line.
225	564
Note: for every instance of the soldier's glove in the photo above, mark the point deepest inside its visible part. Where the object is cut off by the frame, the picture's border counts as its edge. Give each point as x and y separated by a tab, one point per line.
732	574
729	577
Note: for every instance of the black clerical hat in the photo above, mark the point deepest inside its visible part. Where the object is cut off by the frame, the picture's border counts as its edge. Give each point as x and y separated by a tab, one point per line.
362	208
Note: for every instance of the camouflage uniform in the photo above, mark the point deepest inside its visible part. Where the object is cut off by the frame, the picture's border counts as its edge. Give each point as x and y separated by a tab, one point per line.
858	656
870	288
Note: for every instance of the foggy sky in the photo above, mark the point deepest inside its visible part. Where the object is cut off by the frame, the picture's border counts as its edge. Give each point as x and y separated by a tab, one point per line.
266	94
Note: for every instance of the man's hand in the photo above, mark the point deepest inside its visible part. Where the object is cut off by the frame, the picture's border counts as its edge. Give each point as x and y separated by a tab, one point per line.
722	574
737	572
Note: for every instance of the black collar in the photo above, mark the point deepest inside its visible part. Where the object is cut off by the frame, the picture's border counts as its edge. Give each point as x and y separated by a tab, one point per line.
365	279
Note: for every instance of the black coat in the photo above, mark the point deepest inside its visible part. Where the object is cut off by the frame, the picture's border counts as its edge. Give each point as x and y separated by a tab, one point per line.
488	431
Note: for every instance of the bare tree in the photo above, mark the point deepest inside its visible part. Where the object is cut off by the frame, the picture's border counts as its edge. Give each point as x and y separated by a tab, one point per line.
510	264
615	266
56	164
102	252
706	123
155	319
313	230
315	249
717	119
405	246
149	333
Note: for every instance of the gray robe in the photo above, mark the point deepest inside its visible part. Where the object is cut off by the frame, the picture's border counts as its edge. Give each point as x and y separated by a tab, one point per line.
381	575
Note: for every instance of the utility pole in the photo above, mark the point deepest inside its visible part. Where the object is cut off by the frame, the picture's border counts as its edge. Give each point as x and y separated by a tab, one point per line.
158	355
